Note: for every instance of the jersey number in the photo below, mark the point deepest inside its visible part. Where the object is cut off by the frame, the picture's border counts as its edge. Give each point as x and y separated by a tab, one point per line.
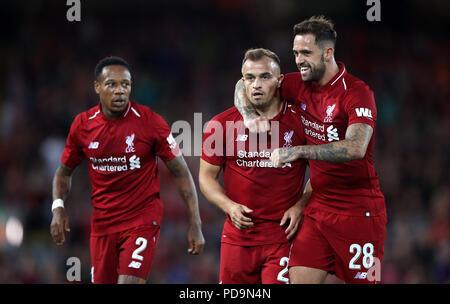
281	275
367	251
142	243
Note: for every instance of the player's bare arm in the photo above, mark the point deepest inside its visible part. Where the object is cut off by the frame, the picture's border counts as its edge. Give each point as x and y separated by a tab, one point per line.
293	215
186	188
61	188
252	120
213	191
353	147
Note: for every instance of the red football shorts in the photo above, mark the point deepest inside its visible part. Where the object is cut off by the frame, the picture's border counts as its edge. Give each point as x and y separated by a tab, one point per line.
349	246
262	264
129	252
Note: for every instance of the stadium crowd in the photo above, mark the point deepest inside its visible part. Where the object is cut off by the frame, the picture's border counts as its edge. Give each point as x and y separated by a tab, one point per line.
185	59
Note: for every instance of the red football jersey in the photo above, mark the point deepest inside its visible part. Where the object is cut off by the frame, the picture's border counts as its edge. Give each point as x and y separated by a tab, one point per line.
123	168
350	188
250	178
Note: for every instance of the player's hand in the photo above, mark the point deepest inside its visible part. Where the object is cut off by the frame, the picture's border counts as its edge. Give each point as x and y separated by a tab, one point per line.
237	215
294	216
281	156
59	225
257	124
195	239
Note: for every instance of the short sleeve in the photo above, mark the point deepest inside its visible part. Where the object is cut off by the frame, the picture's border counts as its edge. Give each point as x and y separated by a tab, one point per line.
212	145
360	105
166	146
290	87
73	151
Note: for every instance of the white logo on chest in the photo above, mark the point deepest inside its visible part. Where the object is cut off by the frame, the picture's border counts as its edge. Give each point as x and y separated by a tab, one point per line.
93	145
288	138
330	110
135	162
332	133
130	145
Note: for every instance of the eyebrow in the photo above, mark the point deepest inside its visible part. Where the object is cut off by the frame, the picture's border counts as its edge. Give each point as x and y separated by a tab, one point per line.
117	80
262	74
305	51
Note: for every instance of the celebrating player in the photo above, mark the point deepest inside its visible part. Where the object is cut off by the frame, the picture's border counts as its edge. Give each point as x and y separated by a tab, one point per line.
262	203
121	141
344	225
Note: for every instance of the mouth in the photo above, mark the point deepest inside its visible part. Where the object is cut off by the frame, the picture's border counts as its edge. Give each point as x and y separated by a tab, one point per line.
304	69
257	95
120	102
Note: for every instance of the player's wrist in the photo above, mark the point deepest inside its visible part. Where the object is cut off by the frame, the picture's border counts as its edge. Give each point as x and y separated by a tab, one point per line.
57	203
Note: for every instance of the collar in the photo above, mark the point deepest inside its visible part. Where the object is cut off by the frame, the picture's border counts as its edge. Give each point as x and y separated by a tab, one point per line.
124	114
333	81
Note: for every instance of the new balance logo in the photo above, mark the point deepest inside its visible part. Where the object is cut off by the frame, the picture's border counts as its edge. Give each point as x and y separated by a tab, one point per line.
361	275
287	165
242	137
135	265
93	145
363	112
135	162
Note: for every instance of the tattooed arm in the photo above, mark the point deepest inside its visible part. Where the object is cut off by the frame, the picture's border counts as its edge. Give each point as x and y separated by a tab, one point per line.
252	120
353	147
186	188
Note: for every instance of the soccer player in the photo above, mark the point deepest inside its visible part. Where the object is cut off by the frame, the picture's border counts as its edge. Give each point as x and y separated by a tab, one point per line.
262	203
344	225
121	141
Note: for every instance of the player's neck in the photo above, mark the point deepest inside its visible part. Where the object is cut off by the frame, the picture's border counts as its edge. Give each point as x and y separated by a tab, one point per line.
109	114
330	72
271	109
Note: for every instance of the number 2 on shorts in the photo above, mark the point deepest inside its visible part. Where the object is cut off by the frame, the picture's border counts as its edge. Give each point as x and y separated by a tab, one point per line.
367	251
281	275
142	243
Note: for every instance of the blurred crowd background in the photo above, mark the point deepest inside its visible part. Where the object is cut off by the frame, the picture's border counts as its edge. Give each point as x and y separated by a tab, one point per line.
185	57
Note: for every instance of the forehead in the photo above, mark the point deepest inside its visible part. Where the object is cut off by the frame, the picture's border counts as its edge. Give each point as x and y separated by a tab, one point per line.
115	72
307	41
263	65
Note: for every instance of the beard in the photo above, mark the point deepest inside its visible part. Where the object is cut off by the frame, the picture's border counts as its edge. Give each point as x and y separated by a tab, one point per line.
315	72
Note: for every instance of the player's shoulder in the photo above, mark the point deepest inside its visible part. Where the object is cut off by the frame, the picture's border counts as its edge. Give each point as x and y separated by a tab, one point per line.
231	114
87	116
145	112
294	78
355	84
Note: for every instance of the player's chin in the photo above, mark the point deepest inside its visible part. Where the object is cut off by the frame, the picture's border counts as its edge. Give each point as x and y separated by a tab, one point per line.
308	77
118	108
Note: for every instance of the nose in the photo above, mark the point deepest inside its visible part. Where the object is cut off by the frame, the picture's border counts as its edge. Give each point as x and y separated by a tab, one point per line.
299	59
257	83
120	90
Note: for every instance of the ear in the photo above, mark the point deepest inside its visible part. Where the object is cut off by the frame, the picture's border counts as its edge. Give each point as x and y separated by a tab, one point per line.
328	54
97	87
280	80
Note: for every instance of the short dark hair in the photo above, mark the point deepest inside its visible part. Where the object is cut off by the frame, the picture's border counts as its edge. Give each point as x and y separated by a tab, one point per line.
259	53
319	26
107	61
